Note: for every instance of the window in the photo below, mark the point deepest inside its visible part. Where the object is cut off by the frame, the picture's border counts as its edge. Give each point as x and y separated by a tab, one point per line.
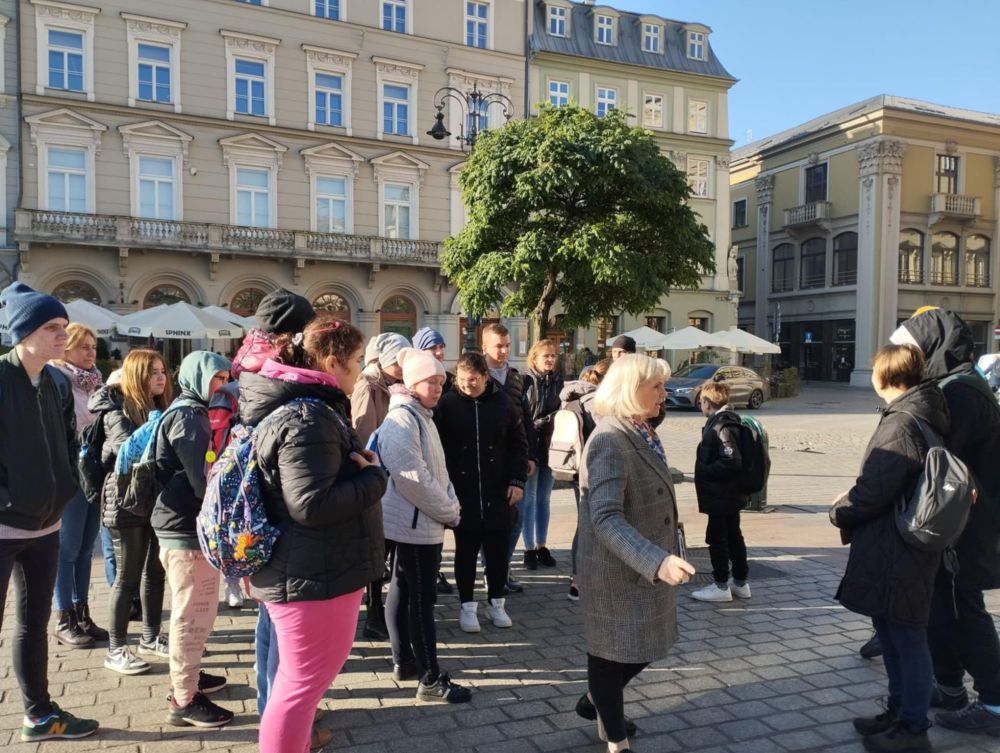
652	37
396	110
154	49
697	175
815	180
558	93
977	261
76	290
154	73
557	20
398	314
156	188
335	304
607	100
245	302
697	116
250	87
947	174
329	99
253	197
67	180
477	25
944	259
740	213
331	204
396	206
478	118
659	323
845	259
696	45
605	30
327	9
698	322
164	294
652	111
65	60
812	269
783	268
394	15
911	256
741	267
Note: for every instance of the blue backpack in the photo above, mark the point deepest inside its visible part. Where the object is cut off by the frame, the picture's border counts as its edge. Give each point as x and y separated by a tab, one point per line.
233	530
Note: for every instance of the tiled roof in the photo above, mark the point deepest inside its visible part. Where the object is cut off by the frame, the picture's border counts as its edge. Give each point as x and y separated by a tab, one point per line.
628	50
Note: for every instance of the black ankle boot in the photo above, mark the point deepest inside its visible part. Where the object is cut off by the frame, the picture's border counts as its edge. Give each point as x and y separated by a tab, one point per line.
87	625
68	632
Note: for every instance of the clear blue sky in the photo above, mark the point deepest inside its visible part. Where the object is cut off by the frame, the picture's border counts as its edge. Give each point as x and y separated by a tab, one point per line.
798	59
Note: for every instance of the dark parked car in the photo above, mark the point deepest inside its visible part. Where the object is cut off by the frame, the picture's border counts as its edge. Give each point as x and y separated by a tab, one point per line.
746	386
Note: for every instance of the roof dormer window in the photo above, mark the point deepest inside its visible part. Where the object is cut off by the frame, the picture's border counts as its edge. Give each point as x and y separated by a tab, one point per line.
604	30
652	37
558	20
697	45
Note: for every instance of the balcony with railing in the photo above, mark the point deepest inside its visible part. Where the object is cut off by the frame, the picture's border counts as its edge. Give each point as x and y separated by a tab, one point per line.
811	216
37	226
952	206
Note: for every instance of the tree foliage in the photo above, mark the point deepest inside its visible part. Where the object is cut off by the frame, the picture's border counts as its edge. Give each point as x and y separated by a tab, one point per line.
574	208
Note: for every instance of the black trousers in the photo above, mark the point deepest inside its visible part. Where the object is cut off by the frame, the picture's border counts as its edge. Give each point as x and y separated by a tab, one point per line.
576	532
409	608
495	547
137	552
606	681
966	643
33	564
725	546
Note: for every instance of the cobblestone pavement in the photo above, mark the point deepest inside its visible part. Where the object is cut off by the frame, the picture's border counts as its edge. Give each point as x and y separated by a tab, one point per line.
776	673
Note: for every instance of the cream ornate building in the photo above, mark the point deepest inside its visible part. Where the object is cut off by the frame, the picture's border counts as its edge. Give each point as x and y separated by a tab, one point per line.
211	150
848	223
667	77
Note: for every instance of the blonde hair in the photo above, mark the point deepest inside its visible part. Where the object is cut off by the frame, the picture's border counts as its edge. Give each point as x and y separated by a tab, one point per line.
137	373
716	393
536	350
899	366
616	395
77	334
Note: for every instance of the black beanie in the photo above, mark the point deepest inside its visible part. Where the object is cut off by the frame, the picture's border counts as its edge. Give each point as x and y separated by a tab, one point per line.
624	342
282	311
27	310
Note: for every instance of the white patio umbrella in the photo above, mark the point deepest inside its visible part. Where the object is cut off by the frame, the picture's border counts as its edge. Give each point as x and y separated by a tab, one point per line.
744	342
689	338
223	313
98	318
177	321
646	338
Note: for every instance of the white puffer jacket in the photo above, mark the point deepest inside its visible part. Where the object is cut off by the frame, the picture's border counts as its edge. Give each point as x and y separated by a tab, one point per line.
419	501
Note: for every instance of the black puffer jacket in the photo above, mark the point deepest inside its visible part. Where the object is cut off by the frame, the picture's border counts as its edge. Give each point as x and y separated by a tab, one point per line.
514	388
108	403
948	346
541	391
486	451
885	577
327	508
718	464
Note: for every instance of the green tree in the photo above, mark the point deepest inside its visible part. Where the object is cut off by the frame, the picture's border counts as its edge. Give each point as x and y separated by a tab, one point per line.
574	208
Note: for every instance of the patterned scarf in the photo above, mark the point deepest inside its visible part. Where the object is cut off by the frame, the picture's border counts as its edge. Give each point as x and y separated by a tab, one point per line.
89	380
647	433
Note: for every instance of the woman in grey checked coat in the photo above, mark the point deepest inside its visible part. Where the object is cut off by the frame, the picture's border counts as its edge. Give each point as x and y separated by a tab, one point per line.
628	534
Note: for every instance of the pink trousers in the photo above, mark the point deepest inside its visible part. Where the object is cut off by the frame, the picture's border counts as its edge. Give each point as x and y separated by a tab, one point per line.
314	641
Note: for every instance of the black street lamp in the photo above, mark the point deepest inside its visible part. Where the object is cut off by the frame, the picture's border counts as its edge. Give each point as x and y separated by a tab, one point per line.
472	106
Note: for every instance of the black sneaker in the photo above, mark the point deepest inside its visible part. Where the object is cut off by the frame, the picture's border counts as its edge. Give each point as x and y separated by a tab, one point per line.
585	708
545	557
574	593
443	586
405	671
948	701
201	712
872	648
513	586
207	684
59	725
872	725
443	691
530	559
898	739
375	629
974	718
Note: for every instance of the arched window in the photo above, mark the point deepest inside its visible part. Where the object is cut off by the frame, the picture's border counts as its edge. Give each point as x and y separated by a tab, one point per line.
398	314
335	304
75	290
812	266
783	268
845	259
245	302
977	261
944	259
911	256
164	294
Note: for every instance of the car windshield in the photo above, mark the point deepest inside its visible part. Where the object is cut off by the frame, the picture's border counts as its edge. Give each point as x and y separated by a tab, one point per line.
696	371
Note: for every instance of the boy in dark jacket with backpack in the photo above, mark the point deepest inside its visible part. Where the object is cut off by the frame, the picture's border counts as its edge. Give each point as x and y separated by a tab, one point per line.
717	471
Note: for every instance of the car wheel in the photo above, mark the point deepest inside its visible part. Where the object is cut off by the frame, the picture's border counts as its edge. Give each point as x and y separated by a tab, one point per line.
696	401
756	399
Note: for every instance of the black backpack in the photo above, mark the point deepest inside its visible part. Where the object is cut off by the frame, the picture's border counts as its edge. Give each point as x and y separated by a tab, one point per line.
755	456
92	470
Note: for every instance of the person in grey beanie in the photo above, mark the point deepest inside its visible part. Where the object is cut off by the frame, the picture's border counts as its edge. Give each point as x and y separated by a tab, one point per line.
38	478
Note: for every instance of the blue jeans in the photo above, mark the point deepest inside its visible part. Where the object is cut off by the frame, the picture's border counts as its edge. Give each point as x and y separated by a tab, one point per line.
77	535
110	564
266	657
535	509
907	658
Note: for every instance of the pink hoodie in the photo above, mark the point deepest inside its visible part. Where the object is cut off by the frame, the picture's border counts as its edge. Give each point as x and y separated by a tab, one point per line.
257	347
277	370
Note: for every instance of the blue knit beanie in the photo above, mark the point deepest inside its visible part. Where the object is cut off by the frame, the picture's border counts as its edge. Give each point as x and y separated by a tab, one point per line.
27	310
426	338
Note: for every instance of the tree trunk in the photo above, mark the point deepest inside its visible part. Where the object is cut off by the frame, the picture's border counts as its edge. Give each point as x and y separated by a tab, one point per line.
545	303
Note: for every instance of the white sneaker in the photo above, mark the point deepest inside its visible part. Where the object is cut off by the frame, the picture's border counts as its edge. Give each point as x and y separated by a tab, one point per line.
468	619
740	592
712	592
123	661
234	595
496	612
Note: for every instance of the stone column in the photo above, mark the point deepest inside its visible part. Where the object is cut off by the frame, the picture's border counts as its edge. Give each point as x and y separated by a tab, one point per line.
880	165
765	192
994	252
367	322
722	231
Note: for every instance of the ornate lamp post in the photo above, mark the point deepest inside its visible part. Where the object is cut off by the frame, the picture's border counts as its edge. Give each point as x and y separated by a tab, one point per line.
473	106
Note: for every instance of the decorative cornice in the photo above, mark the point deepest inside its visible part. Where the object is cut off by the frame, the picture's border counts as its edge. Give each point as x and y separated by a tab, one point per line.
254	43
79	13
765	189
882	155
722	161
326	56
462	79
397	67
679	159
161	26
